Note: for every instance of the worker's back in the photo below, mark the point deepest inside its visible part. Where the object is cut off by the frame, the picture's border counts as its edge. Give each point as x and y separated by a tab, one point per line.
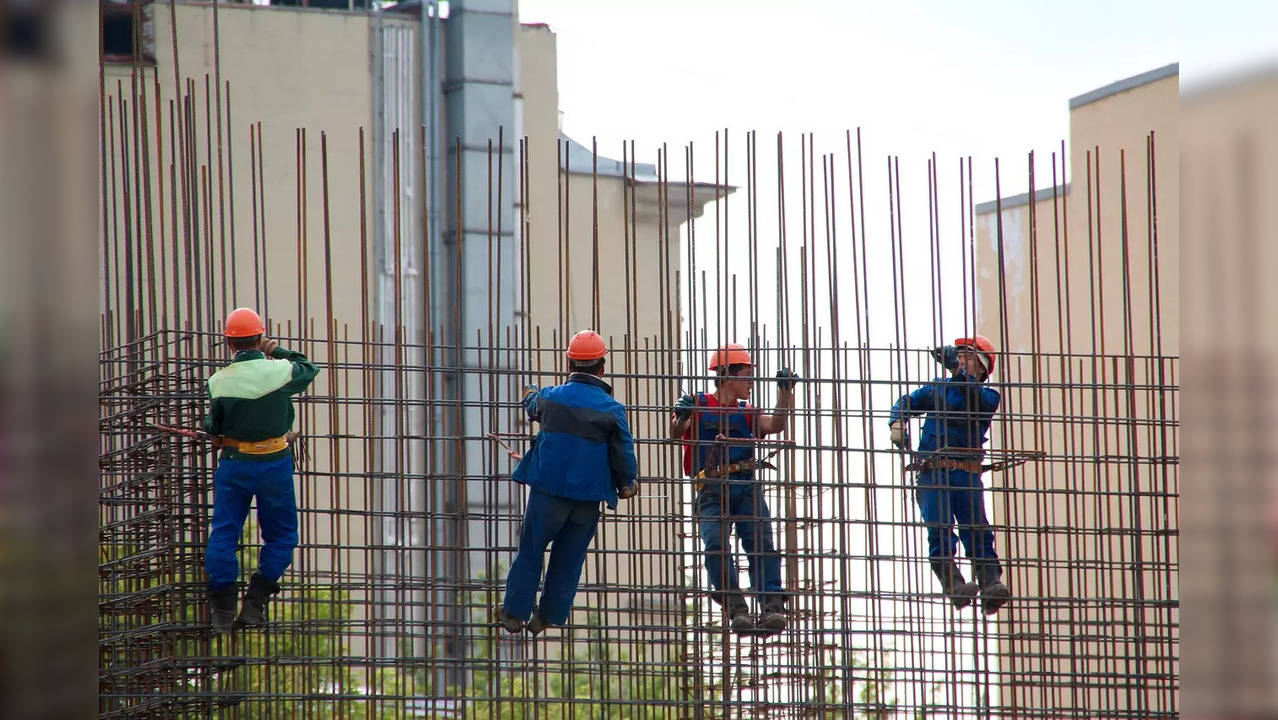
584	450
250	398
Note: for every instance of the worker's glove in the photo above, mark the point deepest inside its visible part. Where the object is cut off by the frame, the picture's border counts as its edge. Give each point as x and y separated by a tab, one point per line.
530	403
267	346
685	407
786	379
899	436
629	491
947	355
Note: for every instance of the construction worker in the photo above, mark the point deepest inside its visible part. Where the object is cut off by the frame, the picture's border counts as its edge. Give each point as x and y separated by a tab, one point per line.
719	430
583	454
959	410
250	416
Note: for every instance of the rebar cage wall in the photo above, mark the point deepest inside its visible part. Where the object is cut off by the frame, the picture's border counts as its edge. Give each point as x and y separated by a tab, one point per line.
386	611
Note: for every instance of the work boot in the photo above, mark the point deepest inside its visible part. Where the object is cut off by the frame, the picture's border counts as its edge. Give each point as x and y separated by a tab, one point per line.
736	611
258	594
994	594
772	620
222	608
960	592
537	624
509	623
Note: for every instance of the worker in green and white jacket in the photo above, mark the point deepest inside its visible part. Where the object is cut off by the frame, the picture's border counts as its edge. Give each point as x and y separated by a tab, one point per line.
250	416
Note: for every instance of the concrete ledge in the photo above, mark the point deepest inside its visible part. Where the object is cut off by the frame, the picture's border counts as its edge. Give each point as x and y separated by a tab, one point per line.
1134	81
1022	199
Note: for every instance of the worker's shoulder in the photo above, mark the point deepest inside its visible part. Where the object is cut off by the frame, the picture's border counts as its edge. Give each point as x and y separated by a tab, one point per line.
250	379
585	396
582	392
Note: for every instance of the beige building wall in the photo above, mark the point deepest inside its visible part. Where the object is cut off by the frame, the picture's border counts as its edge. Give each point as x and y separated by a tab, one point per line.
1229	157
287	69
1091	542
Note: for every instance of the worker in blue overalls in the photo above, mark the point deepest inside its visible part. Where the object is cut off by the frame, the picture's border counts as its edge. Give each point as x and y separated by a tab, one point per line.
583	454
717	429
959	410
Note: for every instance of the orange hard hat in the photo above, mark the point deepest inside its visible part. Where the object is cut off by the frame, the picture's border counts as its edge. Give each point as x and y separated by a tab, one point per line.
730	354
983	345
244	323
586	345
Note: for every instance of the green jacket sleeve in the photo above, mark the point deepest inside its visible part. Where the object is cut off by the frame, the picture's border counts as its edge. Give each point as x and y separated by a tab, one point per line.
304	371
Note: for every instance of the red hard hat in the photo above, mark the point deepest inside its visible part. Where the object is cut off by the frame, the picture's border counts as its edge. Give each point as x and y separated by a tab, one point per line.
244	323
586	345
730	354
983	344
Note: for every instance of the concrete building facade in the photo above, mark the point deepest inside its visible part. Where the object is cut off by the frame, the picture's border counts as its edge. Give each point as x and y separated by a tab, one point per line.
1089	534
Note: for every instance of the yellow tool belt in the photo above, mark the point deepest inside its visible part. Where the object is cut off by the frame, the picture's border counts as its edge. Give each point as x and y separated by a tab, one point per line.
972	466
257	447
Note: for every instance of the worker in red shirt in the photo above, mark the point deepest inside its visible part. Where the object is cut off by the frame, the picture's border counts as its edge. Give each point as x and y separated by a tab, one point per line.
717	429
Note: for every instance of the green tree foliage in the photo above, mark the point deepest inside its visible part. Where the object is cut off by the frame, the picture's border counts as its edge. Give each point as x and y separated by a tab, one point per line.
298	666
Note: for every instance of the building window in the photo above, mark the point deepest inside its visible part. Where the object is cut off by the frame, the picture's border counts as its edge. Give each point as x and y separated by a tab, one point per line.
128	31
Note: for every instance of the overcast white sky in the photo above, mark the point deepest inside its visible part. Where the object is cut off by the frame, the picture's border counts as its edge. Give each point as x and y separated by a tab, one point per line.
983	79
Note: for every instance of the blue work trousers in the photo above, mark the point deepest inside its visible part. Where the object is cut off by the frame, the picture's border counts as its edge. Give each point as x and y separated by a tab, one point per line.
947	497
567	526
719	507
235	484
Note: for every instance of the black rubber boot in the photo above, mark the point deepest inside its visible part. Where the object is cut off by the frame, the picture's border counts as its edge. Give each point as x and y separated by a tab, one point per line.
222	608
735	611
259	593
538	624
509	623
773	618
960	592
994	594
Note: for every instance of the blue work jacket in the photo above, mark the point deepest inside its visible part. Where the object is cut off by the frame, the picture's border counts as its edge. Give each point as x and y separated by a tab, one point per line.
959	410
584	450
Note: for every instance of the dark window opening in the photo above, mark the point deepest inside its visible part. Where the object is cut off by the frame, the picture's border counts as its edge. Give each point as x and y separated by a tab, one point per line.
121	39
23	32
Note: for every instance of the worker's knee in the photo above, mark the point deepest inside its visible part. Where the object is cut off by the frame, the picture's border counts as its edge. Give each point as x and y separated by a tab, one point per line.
713	542
714	534
282	540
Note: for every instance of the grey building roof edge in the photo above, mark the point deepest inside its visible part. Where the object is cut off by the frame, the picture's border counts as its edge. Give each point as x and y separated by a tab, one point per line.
1134	81
579	162
1019	200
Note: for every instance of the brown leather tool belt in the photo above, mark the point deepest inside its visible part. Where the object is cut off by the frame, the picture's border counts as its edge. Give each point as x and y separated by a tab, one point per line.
941	463
723	471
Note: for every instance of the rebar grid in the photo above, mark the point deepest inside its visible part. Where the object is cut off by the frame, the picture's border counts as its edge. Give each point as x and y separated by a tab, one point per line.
408	517
357	611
